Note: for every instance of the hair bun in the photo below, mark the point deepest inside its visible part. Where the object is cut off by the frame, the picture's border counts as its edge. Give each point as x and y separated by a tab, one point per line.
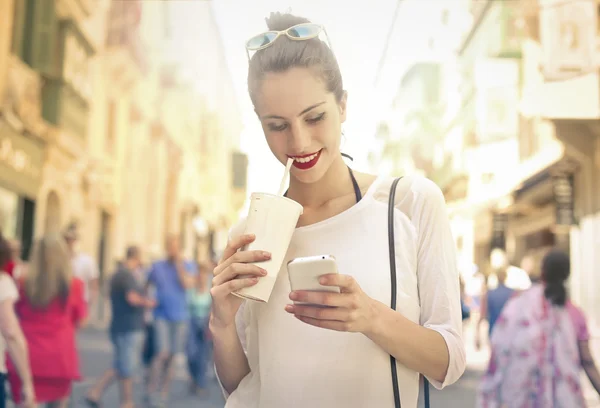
282	21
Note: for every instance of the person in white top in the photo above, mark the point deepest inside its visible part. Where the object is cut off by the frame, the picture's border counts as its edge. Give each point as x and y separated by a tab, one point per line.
276	354
84	266
11	336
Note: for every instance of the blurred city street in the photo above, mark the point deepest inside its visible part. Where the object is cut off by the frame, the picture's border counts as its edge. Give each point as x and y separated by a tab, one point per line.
96	356
129	125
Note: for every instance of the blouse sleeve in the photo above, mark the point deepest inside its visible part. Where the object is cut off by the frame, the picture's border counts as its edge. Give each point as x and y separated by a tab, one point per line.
437	274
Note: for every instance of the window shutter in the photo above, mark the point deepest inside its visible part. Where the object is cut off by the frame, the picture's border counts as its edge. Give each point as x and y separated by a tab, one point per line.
44	51
18	28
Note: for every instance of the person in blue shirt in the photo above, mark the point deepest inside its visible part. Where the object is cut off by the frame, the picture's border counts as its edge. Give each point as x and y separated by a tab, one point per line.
170	278
492	304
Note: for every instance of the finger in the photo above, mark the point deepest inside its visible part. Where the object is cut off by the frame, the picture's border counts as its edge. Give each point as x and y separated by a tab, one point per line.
236	270
324	298
345	282
326	324
320	313
232	286
242	257
235	244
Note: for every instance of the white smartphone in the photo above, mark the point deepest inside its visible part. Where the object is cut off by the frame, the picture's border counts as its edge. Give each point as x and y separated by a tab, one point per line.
304	273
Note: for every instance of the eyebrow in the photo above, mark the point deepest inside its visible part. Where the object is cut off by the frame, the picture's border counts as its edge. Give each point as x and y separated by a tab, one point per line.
300	114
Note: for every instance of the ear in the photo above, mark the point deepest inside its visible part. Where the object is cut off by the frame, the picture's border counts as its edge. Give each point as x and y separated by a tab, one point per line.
342	105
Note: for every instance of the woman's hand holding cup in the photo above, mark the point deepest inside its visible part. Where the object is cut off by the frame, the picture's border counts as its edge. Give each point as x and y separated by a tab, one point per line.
235	271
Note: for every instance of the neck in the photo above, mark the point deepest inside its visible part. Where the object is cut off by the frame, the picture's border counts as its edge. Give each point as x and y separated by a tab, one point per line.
130	265
335	182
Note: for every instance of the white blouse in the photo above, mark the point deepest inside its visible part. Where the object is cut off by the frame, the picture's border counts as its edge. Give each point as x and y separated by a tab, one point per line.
294	364
8	292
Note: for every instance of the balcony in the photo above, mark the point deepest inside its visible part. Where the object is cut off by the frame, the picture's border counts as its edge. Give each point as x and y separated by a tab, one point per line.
569	87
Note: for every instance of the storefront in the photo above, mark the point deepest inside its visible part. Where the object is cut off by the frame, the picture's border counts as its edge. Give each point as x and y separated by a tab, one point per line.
21	158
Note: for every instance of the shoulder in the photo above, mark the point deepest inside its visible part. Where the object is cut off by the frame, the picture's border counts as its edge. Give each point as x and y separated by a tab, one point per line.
414	193
575	312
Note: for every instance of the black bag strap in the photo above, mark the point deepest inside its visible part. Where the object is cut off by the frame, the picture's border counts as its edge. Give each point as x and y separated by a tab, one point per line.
392	248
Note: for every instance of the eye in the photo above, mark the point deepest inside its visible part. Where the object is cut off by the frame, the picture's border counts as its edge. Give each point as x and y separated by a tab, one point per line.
317	118
273	127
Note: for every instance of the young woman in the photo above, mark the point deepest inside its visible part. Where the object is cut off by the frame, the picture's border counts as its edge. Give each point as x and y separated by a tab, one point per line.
539	345
11	335
283	355
51	305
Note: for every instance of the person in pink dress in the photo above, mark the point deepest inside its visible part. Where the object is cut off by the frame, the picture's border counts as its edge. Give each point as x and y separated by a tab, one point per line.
540	345
51	306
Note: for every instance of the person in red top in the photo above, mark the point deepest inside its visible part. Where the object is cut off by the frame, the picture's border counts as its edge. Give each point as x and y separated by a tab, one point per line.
51	306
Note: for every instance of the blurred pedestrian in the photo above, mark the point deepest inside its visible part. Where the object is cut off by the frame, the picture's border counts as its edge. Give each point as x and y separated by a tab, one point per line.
492	303
50	307
198	345
84	266
528	264
11	335
539	345
171	278
126	329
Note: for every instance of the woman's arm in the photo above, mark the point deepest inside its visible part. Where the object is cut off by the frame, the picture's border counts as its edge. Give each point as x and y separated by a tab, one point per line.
418	348
15	342
230	359
587	362
435	347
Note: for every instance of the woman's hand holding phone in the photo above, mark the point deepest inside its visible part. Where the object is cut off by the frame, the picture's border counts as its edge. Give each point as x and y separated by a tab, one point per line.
234	272
349	310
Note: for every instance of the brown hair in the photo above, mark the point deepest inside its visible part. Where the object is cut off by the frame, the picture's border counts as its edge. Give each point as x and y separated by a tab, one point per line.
556	268
49	275
285	54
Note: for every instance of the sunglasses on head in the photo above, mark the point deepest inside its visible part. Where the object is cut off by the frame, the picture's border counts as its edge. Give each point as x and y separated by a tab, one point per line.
299	32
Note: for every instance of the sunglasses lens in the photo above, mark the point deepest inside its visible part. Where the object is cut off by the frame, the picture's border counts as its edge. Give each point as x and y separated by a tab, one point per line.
304	31
260	40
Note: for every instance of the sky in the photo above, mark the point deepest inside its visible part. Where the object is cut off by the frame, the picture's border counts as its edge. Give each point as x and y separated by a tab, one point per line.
357	31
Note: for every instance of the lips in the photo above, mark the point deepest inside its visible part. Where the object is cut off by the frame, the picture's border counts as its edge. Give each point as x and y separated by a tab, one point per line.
307	161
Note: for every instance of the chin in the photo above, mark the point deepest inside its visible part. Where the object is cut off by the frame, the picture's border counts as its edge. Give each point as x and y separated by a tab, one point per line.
313	174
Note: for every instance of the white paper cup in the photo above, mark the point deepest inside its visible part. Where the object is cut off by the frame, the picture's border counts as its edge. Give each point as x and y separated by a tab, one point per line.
272	219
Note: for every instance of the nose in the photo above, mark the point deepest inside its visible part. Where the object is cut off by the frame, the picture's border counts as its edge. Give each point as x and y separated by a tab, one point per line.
299	140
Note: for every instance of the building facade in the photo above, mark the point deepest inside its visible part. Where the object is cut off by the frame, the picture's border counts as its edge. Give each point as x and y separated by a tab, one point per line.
100	125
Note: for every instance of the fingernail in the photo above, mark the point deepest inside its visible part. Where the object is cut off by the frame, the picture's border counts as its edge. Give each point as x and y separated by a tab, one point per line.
254	280
322	281
293	296
289	308
267	255
251	236
263	272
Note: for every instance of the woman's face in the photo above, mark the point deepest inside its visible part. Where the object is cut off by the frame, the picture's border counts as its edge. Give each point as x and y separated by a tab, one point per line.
302	120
